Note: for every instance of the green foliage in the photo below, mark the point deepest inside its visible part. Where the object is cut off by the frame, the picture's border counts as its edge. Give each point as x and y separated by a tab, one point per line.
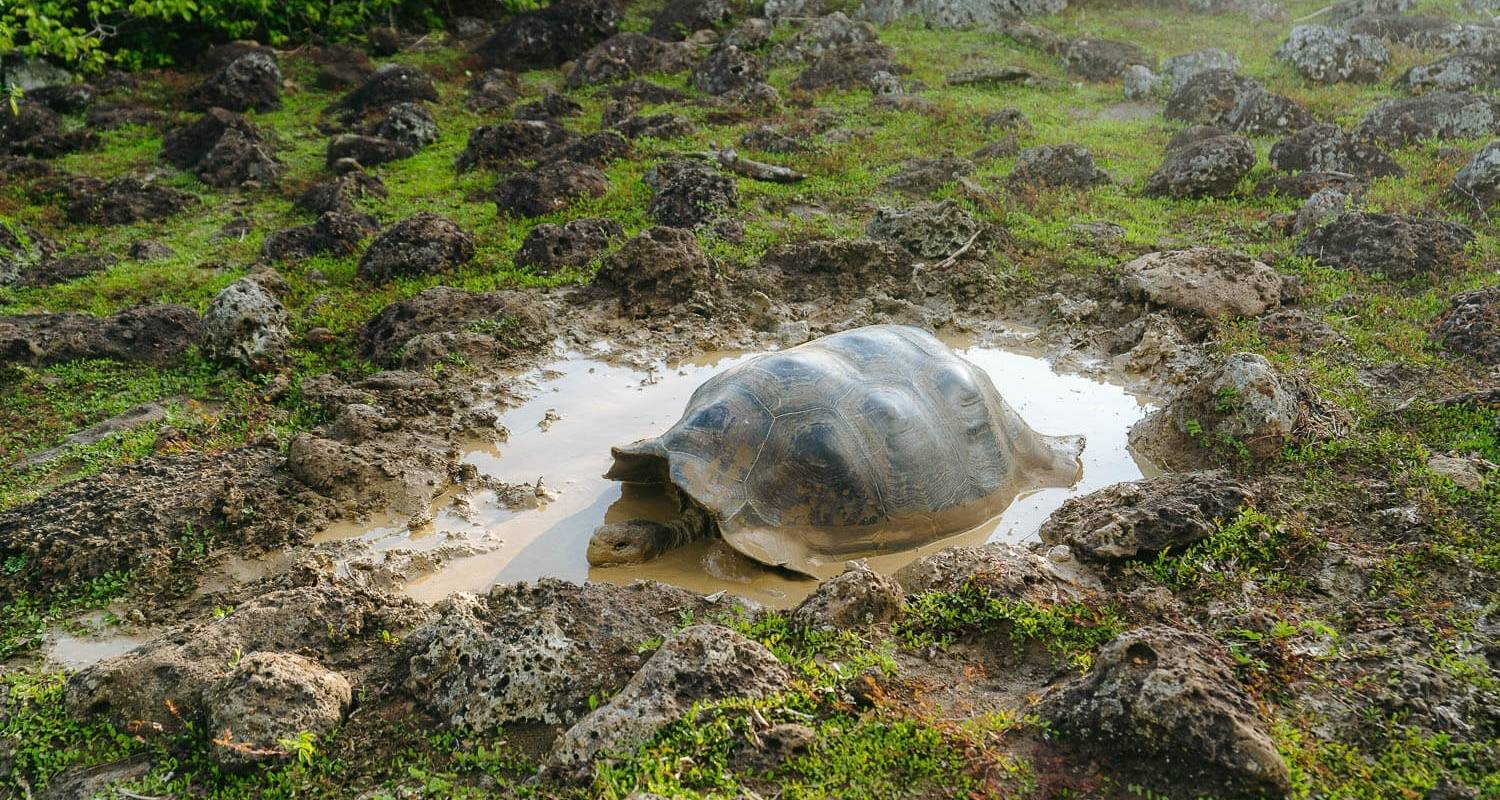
1248	546
24	620
91	34
823	658
39	736
1069	630
1406	762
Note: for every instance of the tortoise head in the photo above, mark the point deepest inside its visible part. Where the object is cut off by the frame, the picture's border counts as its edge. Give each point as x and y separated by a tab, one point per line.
631	542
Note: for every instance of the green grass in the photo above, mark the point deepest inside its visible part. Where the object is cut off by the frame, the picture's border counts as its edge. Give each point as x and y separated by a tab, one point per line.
1253	546
1072	631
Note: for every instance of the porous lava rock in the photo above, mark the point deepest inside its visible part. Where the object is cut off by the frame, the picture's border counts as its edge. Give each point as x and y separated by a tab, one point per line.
548	248
387	86
340	193
726	69
1104	59
407	331
848	67
1394	245
1435	115
656	271
1171	696
1477	184
957	13
699	664
1204	280
680	19
1227	100
269	698
537	652
336	232
1324	147
1471	325
492	146
1331	55
690	194
858	597
223	149
251	82
149	334
1243	405
247	326
629	55
1208	168
927	230
548	188
424	244
1138	519
552	35
1062	165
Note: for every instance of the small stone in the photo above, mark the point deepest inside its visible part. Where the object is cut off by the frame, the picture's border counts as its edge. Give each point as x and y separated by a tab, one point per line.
271	697
246	325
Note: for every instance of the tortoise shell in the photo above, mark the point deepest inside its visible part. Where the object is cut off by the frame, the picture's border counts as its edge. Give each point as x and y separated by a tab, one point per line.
871	440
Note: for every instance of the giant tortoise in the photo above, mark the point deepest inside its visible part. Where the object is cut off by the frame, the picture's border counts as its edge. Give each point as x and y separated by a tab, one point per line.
871	440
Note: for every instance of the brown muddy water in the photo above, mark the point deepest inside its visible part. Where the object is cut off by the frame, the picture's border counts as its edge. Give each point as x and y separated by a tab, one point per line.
582	406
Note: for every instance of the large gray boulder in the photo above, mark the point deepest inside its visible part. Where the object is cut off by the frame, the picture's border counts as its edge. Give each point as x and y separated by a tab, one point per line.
1204	280
957	13
1141	518
1460	72
1005	570
1394	245
245	325
928	230
1179	69
1325	147
1224	99
1056	165
1210	167
1436	115
1331	55
537	652
423	244
1478	183
1171	697
1244	405
701	663
269	698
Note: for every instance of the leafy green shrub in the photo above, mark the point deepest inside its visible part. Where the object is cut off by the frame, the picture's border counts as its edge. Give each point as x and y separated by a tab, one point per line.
90	34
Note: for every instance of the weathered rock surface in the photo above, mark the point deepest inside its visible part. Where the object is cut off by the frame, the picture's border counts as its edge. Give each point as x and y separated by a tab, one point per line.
928	230
1224	99
339	194
679	19
690	194
1141	518
1244	405
1171	696
246	325
492	146
1396	246
1104	59
1331	55
1056	166
856	598
1436	115
424	244
923	176
270	697
820	36
657	270
726	69
1179	69
176	676
1477	184
365	150
551	36
548	248
1007	570
1204	280
499	322
387	86
849	67
548	188
1207	168
1460	72
1471	325
150	334
410	124
537	652
957	13
334	232
1328	148
251	82
701	663
629	55
223	149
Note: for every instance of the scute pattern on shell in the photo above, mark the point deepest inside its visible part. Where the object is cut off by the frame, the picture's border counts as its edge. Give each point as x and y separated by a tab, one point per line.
870	440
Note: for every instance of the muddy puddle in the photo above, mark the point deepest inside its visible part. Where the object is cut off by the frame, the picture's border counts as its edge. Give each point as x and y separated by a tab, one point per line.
580	406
